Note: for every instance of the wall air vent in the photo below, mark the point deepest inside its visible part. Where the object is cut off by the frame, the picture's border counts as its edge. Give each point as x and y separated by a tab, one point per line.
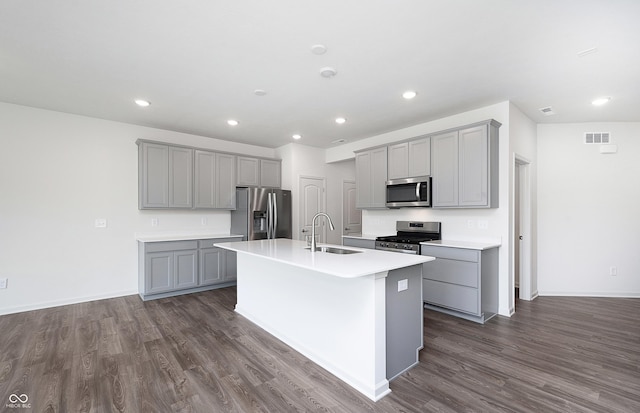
548	111
597	137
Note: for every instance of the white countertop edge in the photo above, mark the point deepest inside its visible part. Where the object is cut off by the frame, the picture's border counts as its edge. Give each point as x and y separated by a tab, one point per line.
181	236
353	271
470	245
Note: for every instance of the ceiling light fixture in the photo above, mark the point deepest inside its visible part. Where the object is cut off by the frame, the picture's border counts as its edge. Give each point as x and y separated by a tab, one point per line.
409	94
318	49
296	136
601	101
233	122
142	103
340	120
259	92
328	72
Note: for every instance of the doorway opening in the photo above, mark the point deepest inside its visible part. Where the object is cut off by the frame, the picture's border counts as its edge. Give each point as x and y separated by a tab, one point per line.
523	281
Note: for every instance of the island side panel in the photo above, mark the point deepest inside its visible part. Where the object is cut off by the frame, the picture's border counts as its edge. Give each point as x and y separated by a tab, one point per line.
405	320
339	323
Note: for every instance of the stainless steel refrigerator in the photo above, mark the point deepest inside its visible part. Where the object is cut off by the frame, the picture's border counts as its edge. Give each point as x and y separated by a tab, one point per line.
262	213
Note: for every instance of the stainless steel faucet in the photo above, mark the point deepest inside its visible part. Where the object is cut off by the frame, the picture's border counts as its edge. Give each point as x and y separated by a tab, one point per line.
313	228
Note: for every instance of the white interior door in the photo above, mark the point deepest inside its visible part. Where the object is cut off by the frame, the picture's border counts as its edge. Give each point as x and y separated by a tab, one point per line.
312	201
351	216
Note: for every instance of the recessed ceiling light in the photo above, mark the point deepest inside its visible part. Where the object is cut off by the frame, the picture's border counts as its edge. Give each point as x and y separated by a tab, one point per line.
232	122
601	101
328	72
259	92
409	94
296	136
339	141
340	120
143	103
318	49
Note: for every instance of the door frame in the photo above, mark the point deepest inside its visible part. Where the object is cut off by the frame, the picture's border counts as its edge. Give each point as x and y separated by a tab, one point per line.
527	282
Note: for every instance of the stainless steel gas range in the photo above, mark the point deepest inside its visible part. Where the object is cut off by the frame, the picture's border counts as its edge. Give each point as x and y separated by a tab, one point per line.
410	235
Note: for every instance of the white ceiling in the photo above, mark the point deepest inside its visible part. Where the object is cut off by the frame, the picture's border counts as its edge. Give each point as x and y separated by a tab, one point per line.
199	62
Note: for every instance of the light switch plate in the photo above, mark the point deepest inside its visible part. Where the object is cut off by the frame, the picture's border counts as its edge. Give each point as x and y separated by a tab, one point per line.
3	283
403	285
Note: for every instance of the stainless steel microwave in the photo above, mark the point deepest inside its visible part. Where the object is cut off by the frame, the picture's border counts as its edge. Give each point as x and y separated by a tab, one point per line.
409	192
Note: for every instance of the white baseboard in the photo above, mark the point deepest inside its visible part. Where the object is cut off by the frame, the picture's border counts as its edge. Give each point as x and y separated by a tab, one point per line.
608	294
58	303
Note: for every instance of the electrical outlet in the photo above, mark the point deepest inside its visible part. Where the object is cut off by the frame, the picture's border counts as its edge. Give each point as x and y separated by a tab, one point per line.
613	271
203	221
483	224
403	285
3	283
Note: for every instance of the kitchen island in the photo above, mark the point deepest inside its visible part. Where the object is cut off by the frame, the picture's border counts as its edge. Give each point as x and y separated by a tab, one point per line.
357	315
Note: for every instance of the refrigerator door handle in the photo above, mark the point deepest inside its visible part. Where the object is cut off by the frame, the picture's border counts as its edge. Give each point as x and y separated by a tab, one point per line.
269	216
275	216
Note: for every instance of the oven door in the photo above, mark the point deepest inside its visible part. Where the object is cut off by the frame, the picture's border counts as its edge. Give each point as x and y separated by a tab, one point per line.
409	192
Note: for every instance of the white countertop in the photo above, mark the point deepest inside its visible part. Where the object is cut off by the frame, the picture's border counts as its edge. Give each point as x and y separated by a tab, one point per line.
293	252
181	236
470	245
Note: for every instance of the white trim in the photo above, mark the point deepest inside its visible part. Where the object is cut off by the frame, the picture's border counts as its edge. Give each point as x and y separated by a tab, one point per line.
58	303
594	294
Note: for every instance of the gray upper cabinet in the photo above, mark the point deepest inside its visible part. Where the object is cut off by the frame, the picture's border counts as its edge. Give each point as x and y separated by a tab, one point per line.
420	157
180	177
465	167
248	171
270	171
371	175
165	176
259	172
409	159
444	183
153	176
215	180
398	161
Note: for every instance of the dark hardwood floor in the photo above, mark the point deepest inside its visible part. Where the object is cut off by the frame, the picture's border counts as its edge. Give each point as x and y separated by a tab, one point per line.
194	354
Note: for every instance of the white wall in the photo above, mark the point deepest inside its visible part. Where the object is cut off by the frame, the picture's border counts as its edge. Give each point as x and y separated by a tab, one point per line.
58	173
588	211
523	142
306	161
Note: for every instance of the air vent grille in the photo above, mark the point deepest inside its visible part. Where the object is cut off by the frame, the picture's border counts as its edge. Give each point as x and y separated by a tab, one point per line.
597	137
547	111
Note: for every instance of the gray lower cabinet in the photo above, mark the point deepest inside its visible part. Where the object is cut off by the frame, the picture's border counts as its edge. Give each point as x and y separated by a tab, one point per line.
169	268
217	265
461	282
359	242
